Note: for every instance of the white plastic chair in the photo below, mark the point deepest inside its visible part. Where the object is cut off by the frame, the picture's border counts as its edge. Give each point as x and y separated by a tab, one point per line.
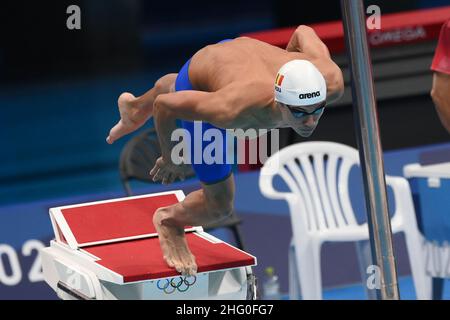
317	175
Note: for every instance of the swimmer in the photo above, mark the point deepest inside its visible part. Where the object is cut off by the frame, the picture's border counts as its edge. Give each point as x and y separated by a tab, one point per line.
240	83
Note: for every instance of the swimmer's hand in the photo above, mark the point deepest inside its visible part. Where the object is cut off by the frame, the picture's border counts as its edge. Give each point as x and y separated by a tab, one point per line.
132	117
168	172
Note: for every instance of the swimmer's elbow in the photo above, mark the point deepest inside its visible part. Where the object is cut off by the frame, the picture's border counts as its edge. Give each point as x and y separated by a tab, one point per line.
160	104
223	117
220	210
338	92
161	109
225	121
335	85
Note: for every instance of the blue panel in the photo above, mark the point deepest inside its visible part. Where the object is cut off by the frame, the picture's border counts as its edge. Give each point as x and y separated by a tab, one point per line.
432	208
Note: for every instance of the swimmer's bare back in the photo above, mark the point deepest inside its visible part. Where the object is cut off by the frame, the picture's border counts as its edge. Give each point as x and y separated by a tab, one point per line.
244	69
238	61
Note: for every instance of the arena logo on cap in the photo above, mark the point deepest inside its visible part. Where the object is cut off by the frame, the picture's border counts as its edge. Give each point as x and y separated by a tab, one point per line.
309	95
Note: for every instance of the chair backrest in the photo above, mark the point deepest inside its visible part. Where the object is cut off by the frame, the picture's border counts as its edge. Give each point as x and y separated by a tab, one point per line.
317	175
139	155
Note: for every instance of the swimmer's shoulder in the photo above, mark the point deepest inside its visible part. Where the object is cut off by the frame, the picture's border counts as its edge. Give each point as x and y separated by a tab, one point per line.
258	93
242	38
249	93
248	40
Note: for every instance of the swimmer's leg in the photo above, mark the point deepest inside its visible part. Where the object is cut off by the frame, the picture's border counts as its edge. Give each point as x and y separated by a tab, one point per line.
214	202
134	112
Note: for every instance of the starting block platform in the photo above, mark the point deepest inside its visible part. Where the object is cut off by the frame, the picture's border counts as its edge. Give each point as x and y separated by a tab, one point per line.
110	250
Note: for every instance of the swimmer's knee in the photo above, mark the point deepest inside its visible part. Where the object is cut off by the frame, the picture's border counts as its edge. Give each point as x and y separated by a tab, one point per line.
220	210
166	83
221	213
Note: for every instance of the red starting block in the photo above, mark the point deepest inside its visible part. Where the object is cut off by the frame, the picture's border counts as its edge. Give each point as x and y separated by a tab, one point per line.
110	250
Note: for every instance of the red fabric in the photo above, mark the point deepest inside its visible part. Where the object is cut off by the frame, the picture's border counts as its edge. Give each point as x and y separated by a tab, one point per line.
247	166
142	259
117	219
396	28
441	60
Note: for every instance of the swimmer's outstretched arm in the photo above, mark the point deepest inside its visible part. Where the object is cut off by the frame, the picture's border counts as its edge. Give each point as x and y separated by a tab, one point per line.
305	40
222	108
191	106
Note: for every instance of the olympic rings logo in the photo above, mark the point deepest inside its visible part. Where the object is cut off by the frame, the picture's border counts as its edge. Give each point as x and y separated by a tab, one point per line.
182	284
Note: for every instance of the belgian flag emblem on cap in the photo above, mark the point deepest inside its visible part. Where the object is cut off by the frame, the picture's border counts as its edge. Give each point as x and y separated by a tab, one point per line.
279	79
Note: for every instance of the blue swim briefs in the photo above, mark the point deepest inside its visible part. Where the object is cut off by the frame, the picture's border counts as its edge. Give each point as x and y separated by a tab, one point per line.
206	173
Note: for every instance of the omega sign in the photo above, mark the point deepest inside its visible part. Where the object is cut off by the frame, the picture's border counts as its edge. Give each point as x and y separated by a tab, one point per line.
398	35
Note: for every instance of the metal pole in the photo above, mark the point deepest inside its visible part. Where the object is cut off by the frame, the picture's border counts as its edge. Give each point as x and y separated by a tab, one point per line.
370	152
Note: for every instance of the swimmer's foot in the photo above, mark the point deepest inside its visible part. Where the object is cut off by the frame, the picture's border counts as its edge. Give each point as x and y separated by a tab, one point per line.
173	244
132	116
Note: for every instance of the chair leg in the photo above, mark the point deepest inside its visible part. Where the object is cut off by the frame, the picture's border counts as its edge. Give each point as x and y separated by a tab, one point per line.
294	282
422	282
127	187
438	288
309	270
364	260
238	236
